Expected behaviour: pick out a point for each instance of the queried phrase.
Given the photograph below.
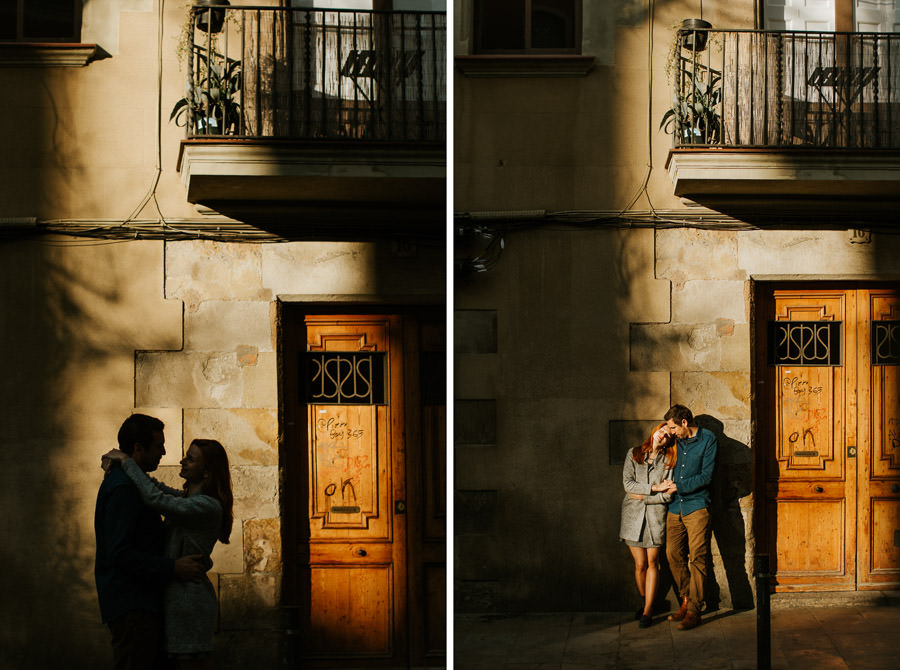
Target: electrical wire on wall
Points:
(91, 232)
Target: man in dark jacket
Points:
(688, 521)
(130, 569)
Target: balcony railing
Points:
(786, 89)
(316, 74)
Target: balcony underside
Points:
(309, 185)
(843, 183)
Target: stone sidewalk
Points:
(819, 637)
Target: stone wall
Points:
(597, 334)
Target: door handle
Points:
(361, 552)
(819, 489)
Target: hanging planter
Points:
(698, 35)
(211, 20)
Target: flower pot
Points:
(211, 20)
(696, 39)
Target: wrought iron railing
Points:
(741, 88)
(316, 74)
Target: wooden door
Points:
(879, 458)
(829, 514)
(355, 463)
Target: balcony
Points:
(329, 115)
(796, 122)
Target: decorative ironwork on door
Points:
(345, 378)
(885, 342)
(804, 343)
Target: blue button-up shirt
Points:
(693, 472)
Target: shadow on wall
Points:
(732, 481)
(48, 468)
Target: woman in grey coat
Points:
(647, 476)
(195, 519)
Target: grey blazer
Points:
(652, 509)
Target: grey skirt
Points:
(645, 542)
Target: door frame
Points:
(295, 588)
(760, 287)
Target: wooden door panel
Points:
(879, 480)
(811, 539)
(345, 465)
(885, 564)
(356, 544)
(808, 493)
(353, 607)
(364, 418)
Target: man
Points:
(688, 521)
(130, 569)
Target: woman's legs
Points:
(639, 554)
(652, 579)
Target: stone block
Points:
(249, 602)
(229, 558)
(259, 386)
(250, 436)
(475, 331)
(262, 545)
(225, 325)
(788, 253)
(476, 511)
(319, 267)
(684, 254)
(476, 466)
(477, 375)
(200, 270)
(682, 347)
(707, 300)
(720, 394)
(175, 379)
(255, 492)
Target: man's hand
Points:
(190, 568)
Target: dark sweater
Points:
(130, 569)
(693, 472)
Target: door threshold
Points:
(785, 600)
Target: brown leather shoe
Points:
(679, 615)
(691, 620)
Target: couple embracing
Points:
(667, 500)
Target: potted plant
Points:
(212, 105)
(211, 20)
(695, 34)
(694, 115)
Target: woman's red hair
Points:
(218, 486)
(670, 453)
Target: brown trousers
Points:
(685, 535)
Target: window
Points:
(40, 20)
(528, 26)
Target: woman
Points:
(647, 477)
(195, 518)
